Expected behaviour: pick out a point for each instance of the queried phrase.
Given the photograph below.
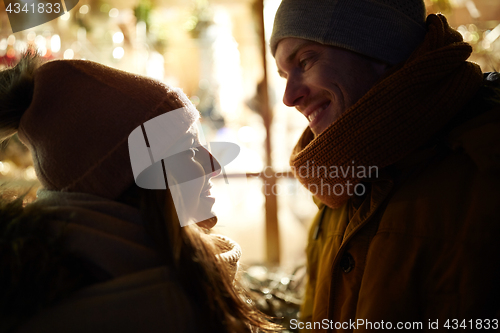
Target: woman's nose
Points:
(210, 164)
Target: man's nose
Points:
(295, 92)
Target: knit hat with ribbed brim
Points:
(79, 120)
(387, 30)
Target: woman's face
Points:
(188, 173)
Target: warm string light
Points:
(84, 9)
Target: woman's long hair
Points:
(221, 304)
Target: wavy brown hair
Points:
(222, 303)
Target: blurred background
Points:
(216, 51)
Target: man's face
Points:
(323, 81)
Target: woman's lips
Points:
(206, 191)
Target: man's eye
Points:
(303, 63)
(307, 59)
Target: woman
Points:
(96, 252)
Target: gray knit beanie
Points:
(387, 30)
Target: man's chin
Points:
(318, 130)
(324, 125)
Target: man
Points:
(402, 155)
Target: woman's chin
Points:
(208, 223)
(205, 217)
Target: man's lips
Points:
(313, 111)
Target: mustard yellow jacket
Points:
(421, 249)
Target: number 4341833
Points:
(471, 324)
(41, 8)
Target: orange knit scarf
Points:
(395, 117)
